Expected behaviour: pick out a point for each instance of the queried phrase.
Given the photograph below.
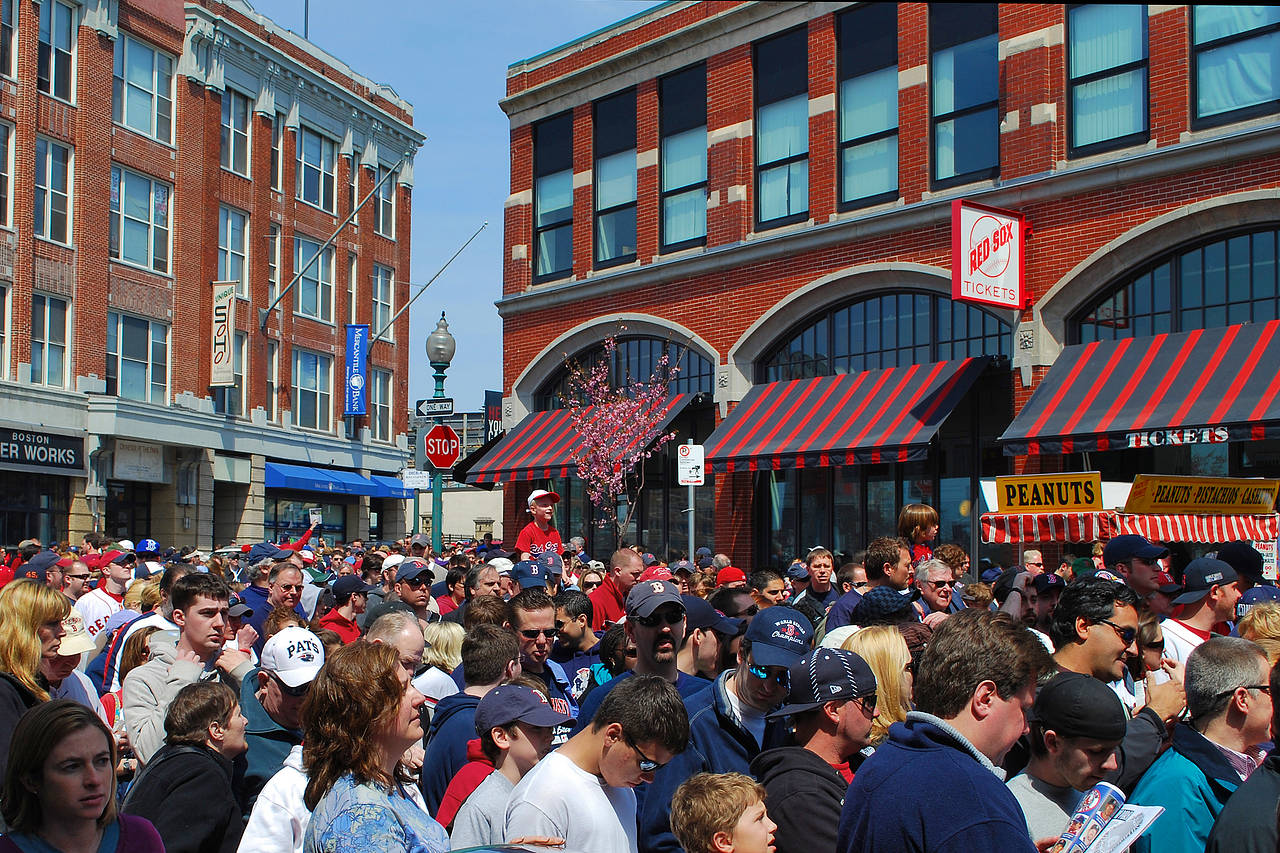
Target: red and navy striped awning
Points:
(1201, 387)
(887, 415)
(541, 446)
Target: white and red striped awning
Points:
(1000, 529)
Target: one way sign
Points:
(436, 407)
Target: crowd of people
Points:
(300, 698)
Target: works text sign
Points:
(988, 254)
(42, 452)
(1050, 492)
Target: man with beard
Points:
(656, 624)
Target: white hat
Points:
(543, 493)
(124, 544)
(502, 564)
(77, 640)
(294, 655)
(392, 561)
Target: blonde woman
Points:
(442, 656)
(1262, 625)
(886, 652)
(31, 630)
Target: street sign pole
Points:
(692, 511)
(437, 482)
(418, 462)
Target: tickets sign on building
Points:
(1154, 493)
(988, 255)
(1050, 492)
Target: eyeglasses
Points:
(296, 692)
(1265, 688)
(941, 584)
(861, 584)
(78, 577)
(647, 764)
(782, 678)
(534, 633)
(1126, 634)
(868, 703)
(297, 587)
(587, 586)
(653, 620)
(1035, 564)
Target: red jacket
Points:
(463, 783)
(345, 628)
(607, 605)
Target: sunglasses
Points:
(750, 611)
(653, 620)
(1265, 688)
(1127, 635)
(782, 678)
(941, 584)
(590, 585)
(868, 703)
(296, 692)
(297, 587)
(647, 764)
(534, 633)
(78, 577)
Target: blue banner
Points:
(356, 394)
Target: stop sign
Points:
(442, 447)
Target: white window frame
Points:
(160, 211)
(383, 300)
(115, 326)
(325, 170)
(384, 205)
(6, 175)
(380, 404)
(235, 139)
(234, 394)
(160, 92)
(318, 279)
(46, 44)
(228, 253)
(353, 280)
(277, 151)
(273, 262)
(45, 191)
(42, 339)
(273, 381)
(4, 331)
(322, 388)
(9, 37)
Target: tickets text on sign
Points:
(1050, 493)
(1214, 495)
(987, 255)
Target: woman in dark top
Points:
(31, 615)
(59, 787)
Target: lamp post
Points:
(440, 349)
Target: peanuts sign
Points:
(988, 255)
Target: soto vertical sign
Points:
(222, 365)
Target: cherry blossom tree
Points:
(618, 428)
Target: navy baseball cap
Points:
(529, 574)
(551, 563)
(826, 675)
(515, 703)
(1245, 559)
(38, 566)
(798, 572)
(1201, 575)
(647, 596)
(1256, 595)
(779, 636)
(412, 569)
(700, 614)
(1130, 545)
(684, 566)
(702, 551)
(1076, 705)
(349, 584)
(237, 607)
(1047, 581)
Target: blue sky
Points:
(449, 59)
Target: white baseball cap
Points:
(543, 493)
(392, 561)
(294, 655)
(76, 640)
(502, 564)
(125, 544)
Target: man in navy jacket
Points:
(975, 683)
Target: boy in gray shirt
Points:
(1076, 724)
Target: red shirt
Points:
(345, 628)
(446, 604)
(534, 540)
(607, 605)
(464, 783)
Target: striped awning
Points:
(887, 415)
(1000, 528)
(1198, 387)
(542, 445)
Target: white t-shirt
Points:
(558, 798)
(435, 684)
(1179, 640)
(752, 720)
(95, 608)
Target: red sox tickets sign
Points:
(988, 251)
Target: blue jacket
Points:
(841, 612)
(973, 811)
(269, 742)
(686, 686)
(717, 744)
(1192, 780)
(452, 726)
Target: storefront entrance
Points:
(33, 506)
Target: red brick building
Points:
(769, 185)
(171, 147)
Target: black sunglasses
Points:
(1126, 634)
(296, 692)
(1265, 688)
(533, 633)
(653, 620)
(647, 764)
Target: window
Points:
(782, 128)
(384, 205)
(6, 169)
(48, 340)
(965, 92)
(553, 197)
(615, 179)
(635, 358)
(317, 169)
(273, 262)
(1107, 70)
(273, 381)
(230, 399)
(139, 220)
(142, 89)
(352, 286)
(383, 282)
(137, 358)
(4, 332)
(1235, 51)
(235, 132)
(277, 152)
(1222, 281)
(868, 56)
(682, 121)
(233, 259)
(311, 390)
(313, 294)
(8, 29)
(53, 191)
(54, 54)
(380, 399)
(886, 330)
(353, 173)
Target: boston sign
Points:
(988, 255)
(41, 452)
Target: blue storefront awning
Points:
(391, 487)
(325, 480)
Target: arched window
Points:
(885, 330)
(636, 358)
(1222, 281)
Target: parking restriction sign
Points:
(689, 465)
